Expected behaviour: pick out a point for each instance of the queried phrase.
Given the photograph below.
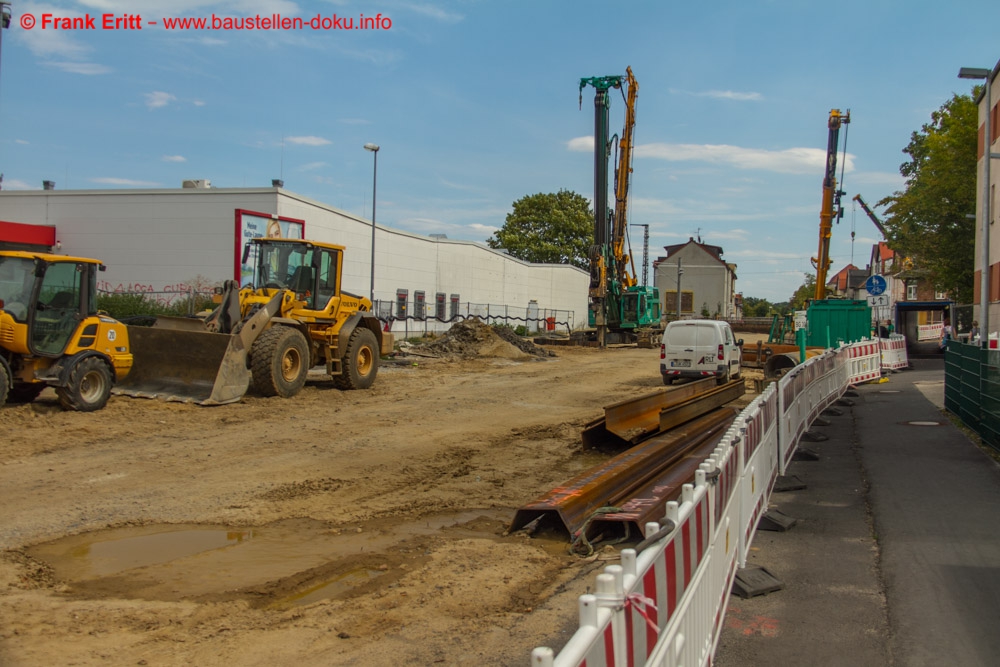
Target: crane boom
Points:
(831, 200)
(871, 215)
(623, 261)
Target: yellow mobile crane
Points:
(831, 201)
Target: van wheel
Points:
(89, 386)
(724, 378)
(668, 380)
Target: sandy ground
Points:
(334, 528)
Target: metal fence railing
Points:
(972, 389)
(413, 317)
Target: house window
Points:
(911, 292)
(940, 296)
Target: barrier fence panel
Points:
(665, 606)
(894, 352)
(759, 457)
(866, 361)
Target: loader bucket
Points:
(192, 365)
(189, 366)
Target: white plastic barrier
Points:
(665, 606)
(865, 359)
(759, 462)
(894, 352)
(804, 393)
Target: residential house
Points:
(707, 281)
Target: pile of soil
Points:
(473, 338)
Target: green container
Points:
(835, 321)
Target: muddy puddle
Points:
(282, 564)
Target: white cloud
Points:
(198, 103)
(432, 11)
(787, 161)
(88, 69)
(722, 95)
(111, 180)
(21, 141)
(158, 98)
(880, 178)
(174, 158)
(581, 145)
(310, 166)
(355, 121)
(18, 184)
(308, 140)
(483, 229)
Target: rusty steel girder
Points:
(638, 473)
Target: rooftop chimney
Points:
(48, 185)
(277, 183)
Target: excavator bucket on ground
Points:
(173, 362)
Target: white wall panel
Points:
(160, 239)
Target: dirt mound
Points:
(473, 338)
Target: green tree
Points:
(548, 228)
(806, 291)
(927, 221)
(756, 307)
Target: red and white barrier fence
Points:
(894, 352)
(665, 605)
(864, 361)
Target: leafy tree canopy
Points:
(553, 228)
(927, 221)
(756, 307)
(806, 291)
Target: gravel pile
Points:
(473, 338)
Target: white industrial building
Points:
(166, 241)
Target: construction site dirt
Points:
(334, 528)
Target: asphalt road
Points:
(895, 559)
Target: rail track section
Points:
(664, 604)
(675, 430)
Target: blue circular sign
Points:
(875, 285)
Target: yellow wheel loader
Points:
(293, 316)
(52, 335)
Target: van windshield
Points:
(691, 335)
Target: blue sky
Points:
(475, 104)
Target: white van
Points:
(699, 349)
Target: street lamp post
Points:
(984, 239)
(374, 149)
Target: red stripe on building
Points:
(19, 232)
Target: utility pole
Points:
(645, 253)
(680, 272)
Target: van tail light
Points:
(663, 351)
(721, 355)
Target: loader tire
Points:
(88, 387)
(360, 361)
(279, 362)
(25, 393)
(4, 384)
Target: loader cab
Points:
(311, 271)
(48, 296)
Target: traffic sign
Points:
(878, 300)
(875, 285)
